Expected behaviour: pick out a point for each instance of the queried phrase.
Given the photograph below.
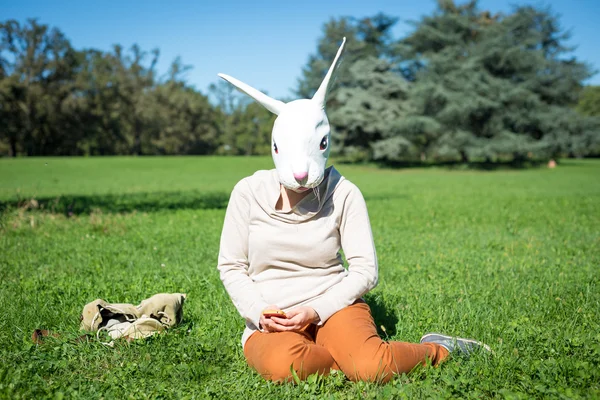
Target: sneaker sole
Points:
(483, 345)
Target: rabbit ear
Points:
(321, 95)
(275, 106)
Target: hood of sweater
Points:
(265, 188)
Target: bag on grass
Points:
(153, 315)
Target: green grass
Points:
(508, 257)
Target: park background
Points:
(448, 82)
(447, 125)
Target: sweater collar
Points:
(310, 205)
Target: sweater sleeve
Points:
(359, 249)
(233, 257)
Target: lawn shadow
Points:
(458, 165)
(382, 316)
(122, 203)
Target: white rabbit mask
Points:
(300, 139)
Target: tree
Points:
(494, 84)
(184, 121)
(134, 80)
(252, 127)
(38, 68)
(11, 129)
(55, 100)
(589, 101)
(371, 112)
(244, 126)
(366, 98)
(366, 37)
(464, 85)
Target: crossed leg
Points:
(347, 341)
(273, 354)
(351, 338)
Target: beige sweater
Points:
(293, 258)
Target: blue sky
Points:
(264, 43)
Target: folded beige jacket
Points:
(155, 314)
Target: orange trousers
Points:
(348, 341)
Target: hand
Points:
(267, 324)
(297, 318)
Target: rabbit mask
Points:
(301, 133)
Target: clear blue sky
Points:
(264, 43)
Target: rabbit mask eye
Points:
(275, 148)
(324, 143)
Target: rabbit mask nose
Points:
(300, 176)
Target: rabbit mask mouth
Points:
(300, 140)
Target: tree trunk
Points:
(137, 138)
(13, 146)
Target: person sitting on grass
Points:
(280, 260)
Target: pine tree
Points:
(369, 121)
(465, 85)
(363, 103)
(366, 37)
(499, 86)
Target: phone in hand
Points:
(274, 313)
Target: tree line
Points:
(464, 85)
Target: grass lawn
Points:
(509, 257)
